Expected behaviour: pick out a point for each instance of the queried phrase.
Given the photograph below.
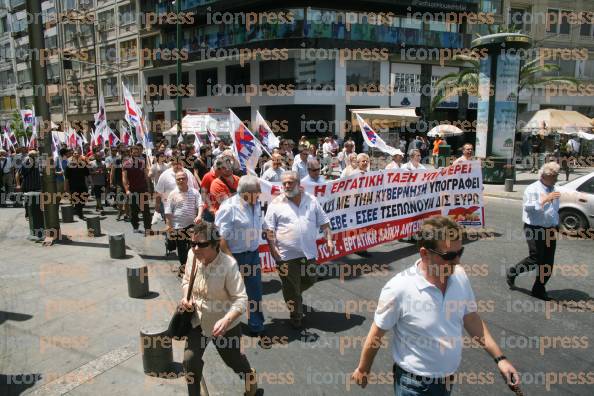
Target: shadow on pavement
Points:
(563, 296)
(157, 257)
(16, 384)
(271, 287)
(150, 296)
(281, 332)
(14, 316)
(90, 244)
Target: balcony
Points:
(17, 4)
(314, 35)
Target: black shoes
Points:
(296, 323)
(540, 293)
(510, 281)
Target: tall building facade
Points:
(307, 65)
(563, 34)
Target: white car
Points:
(576, 210)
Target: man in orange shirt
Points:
(436, 143)
(223, 186)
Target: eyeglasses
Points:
(448, 256)
(184, 179)
(314, 169)
(200, 245)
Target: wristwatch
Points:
(499, 358)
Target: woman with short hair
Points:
(218, 299)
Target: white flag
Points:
(372, 138)
(268, 139)
(246, 147)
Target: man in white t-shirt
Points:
(291, 223)
(167, 183)
(183, 209)
(427, 306)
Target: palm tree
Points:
(466, 80)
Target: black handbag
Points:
(181, 322)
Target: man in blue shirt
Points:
(540, 214)
(239, 220)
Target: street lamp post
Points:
(37, 45)
(178, 64)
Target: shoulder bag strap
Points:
(231, 189)
(192, 278)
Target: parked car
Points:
(576, 210)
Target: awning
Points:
(548, 121)
(445, 130)
(392, 116)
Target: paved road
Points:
(537, 337)
(548, 347)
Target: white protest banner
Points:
(379, 207)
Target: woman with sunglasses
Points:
(218, 299)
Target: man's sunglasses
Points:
(201, 245)
(314, 169)
(448, 256)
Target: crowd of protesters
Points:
(214, 220)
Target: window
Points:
(567, 68)
(4, 24)
(314, 75)
(585, 29)
(587, 187)
(5, 52)
(24, 76)
(26, 102)
(86, 4)
(128, 50)
(552, 20)
(407, 82)
(53, 71)
(106, 20)
(411, 23)
(48, 15)
(185, 81)
(565, 27)
(237, 78)
(86, 31)
(127, 14)
(68, 5)
(89, 66)
(206, 80)
(131, 82)
(519, 19)
(363, 73)
(185, 78)
(7, 103)
(108, 54)
(69, 31)
(156, 82)
(109, 86)
(278, 72)
(6, 78)
(51, 42)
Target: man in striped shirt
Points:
(183, 209)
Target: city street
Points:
(547, 343)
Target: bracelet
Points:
(499, 358)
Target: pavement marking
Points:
(87, 372)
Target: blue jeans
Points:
(406, 385)
(249, 266)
